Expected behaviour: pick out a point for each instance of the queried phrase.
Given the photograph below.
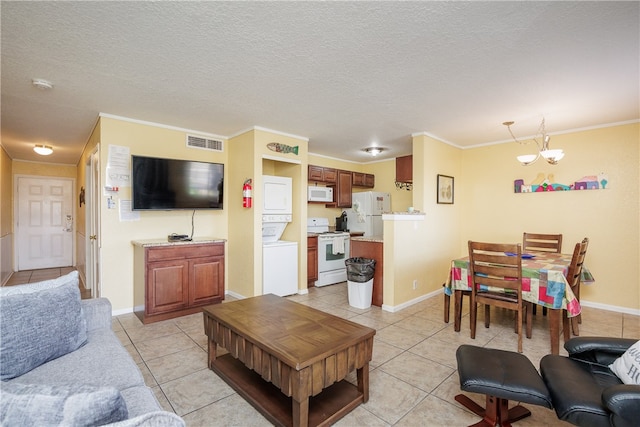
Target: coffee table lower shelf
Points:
(325, 409)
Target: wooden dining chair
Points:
(538, 242)
(573, 278)
(497, 281)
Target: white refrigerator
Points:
(366, 212)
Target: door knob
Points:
(93, 237)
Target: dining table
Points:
(544, 283)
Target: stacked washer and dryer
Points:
(279, 257)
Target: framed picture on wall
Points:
(445, 189)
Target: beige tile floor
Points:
(413, 377)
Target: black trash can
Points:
(360, 273)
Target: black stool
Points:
(501, 376)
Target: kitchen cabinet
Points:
(312, 260)
(404, 169)
(322, 174)
(361, 179)
(342, 193)
(369, 180)
(367, 248)
(177, 279)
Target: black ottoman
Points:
(501, 376)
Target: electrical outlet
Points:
(415, 284)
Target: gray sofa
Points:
(96, 383)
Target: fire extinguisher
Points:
(246, 194)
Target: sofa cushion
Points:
(627, 366)
(29, 288)
(39, 323)
(102, 361)
(77, 405)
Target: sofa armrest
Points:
(600, 350)
(624, 402)
(97, 312)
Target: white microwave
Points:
(320, 194)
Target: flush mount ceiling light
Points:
(374, 151)
(551, 156)
(42, 84)
(43, 150)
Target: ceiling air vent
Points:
(204, 143)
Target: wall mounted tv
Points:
(166, 184)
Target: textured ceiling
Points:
(346, 75)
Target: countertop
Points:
(372, 239)
(404, 216)
(166, 242)
(352, 234)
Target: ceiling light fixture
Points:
(551, 156)
(43, 150)
(374, 151)
(42, 84)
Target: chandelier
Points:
(551, 156)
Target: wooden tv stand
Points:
(173, 279)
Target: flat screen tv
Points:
(166, 184)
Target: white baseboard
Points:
(608, 307)
(396, 308)
(235, 295)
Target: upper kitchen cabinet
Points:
(342, 193)
(404, 169)
(365, 180)
(322, 174)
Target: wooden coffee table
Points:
(289, 360)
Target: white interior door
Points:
(44, 222)
(93, 224)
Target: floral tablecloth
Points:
(543, 280)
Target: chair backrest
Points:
(542, 242)
(497, 265)
(575, 268)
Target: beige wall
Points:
(116, 235)
(609, 218)
(250, 153)
(44, 169)
(6, 217)
(486, 208)
(244, 255)
(6, 192)
(421, 250)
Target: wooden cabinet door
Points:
(330, 175)
(207, 276)
(321, 174)
(312, 260)
(369, 180)
(344, 188)
(358, 179)
(404, 169)
(167, 286)
(315, 173)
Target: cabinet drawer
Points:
(184, 251)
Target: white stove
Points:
(333, 251)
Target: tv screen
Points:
(164, 184)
